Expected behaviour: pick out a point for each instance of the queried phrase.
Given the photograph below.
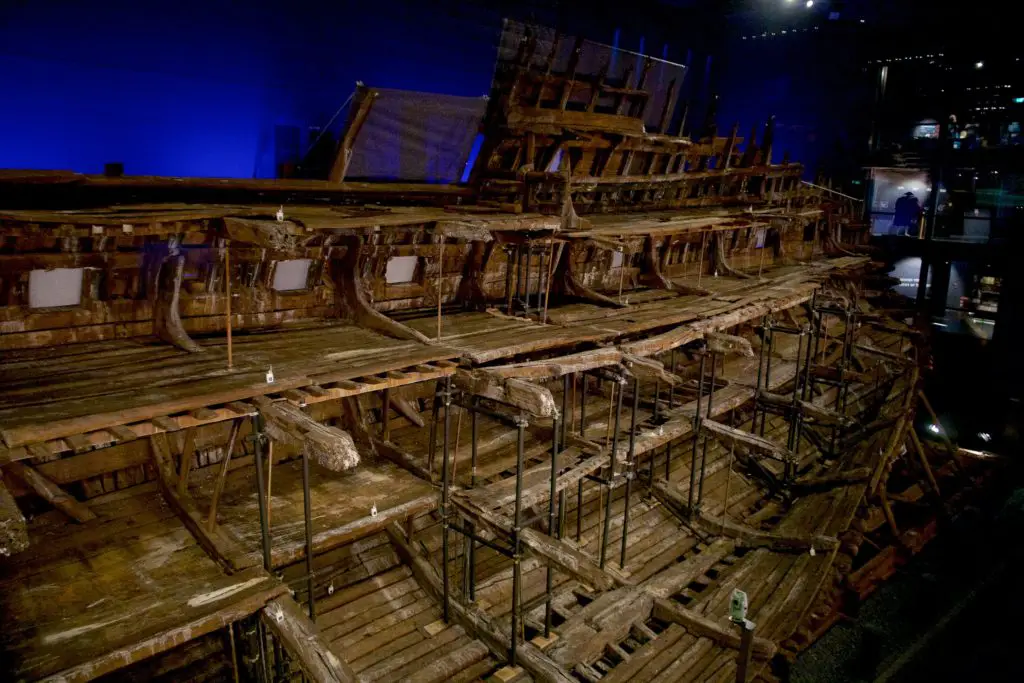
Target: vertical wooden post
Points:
(227, 293)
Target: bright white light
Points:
(979, 65)
(810, 3)
(933, 428)
(985, 436)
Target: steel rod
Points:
(257, 448)
(308, 515)
(704, 450)
(551, 522)
(516, 563)
(611, 475)
(696, 435)
(447, 400)
(630, 468)
(474, 435)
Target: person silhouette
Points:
(907, 211)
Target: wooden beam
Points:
(54, 494)
(405, 408)
(753, 442)
(331, 447)
(833, 479)
(819, 414)
(222, 476)
(719, 342)
(648, 368)
(550, 368)
(187, 453)
(13, 531)
(304, 642)
(724, 634)
(218, 545)
(755, 538)
(667, 583)
(560, 552)
(474, 619)
(923, 458)
(518, 393)
(362, 102)
(691, 332)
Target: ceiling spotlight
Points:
(985, 436)
(979, 65)
(933, 428)
(810, 3)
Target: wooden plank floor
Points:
(86, 599)
(342, 505)
(106, 378)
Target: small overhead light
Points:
(862, 21)
(979, 65)
(985, 436)
(810, 3)
(934, 428)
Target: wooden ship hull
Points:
(536, 427)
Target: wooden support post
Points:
(222, 477)
(217, 544)
(185, 465)
(942, 431)
(54, 494)
(915, 442)
(705, 627)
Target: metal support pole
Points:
(567, 381)
(447, 400)
(261, 490)
(508, 281)
(385, 422)
(516, 560)
(704, 450)
(432, 447)
(309, 534)
(551, 522)
(630, 469)
(760, 370)
(696, 435)
(611, 475)
(579, 510)
(474, 434)
(672, 388)
(529, 262)
(583, 405)
(768, 370)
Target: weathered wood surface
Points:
(304, 644)
(331, 447)
(724, 633)
(518, 393)
(52, 493)
(224, 549)
(744, 439)
(13, 532)
(475, 620)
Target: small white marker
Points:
(373, 510)
(127, 229)
(270, 375)
(280, 214)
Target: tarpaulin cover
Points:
(416, 136)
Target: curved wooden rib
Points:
(571, 286)
(721, 264)
(346, 273)
(651, 275)
(471, 287)
(167, 319)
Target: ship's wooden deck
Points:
(67, 390)
(87, 599)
